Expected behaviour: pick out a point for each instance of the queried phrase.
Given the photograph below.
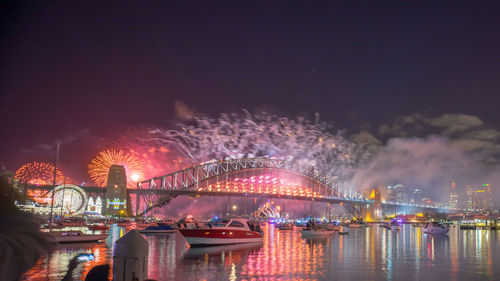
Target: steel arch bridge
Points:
(253, 177)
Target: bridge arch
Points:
(220, 177)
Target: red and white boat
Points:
(232, 231)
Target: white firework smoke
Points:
(264, 135)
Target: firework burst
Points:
(39, 173)
(99, 167)
(263, 135)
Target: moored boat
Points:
(144, 224)
(285, 226)
(72, 222)
(231, 231)
(124, 223)
(160, 228)
(95, 227)
(319, 232)
(76, 236)
(395, 227)
(385, 225)
(435, 228)
(354, 225)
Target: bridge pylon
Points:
(116, 201)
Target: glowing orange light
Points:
(99, 167)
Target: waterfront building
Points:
(479, 197)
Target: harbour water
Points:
(371, 253)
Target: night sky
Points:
(69, 66)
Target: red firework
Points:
(39, 173)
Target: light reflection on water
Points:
(371, 253)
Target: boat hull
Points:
(204, 237)
(80, 239)
(157, 231)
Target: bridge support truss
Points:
(216, 176)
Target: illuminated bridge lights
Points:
(262, 184)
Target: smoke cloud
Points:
(428, 153)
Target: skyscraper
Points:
(453, 204)
(400, 193)
(416, 196)
(397, 194)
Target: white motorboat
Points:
(76, 236)
(231, 231)
(435, 228)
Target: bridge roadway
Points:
(192, 193)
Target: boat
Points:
(229, 231)
(72, 222)
(354, 225)
(343, 230)
(316, 231)
(285, 226)
(160, 228)
(144, 224)
(385, 225)
(435, 228)
(76, 236)
(299, 226)
(395, 227)
(124, 223)
(95, 227)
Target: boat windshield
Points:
(236, 224)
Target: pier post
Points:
(130, 257)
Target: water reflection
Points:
(371, 253)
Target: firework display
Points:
(263, 135)
(39, 173)
(99, 167)
(156, 159)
